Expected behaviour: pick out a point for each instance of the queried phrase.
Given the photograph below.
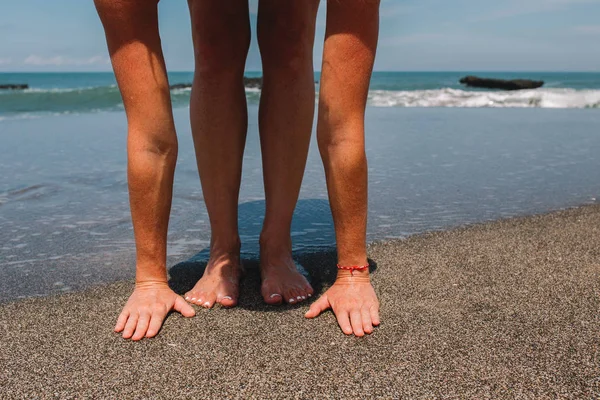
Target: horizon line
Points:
(375, 71)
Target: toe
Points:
(193, 297)
(291, 296)
(271, 294)
(207, 300)
(309, 291)
(273, 298)
(228, 297)
(228, 301)
(301, 294)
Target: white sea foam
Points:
(538, 98)
(66, 90)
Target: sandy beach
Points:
(506, 309)
(482, 206)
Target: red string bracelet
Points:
(353, 268)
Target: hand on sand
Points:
(147, 308)
(353, 302)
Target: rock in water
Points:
(180, 86)
(248, 82)
(15, 86)
(255, 83)
(515, 84)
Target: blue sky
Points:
(432, 35)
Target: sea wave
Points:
(57, 101)
(31, 102)
(536, 98)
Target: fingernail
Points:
(227, 297)
(275, 295)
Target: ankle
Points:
(275, 243)
(220, 247)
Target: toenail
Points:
(275, 295)
(227, 297)
(193, 299)
(207, 304)
(303, 297)
(292, 300)
(309, 295)
(299, 297)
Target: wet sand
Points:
(506, 309)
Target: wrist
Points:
(353, 275)
(150, 284)
(153, 278)
(148, 271)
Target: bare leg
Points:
(285, 35)
(134, 44)
(348, 55)
(221, 33)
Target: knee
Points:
(158, 139)
(286, 45)
(347, 154)
(341, 135)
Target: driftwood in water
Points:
(514, 84)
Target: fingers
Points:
(130, 325)
(142, 325)
(121, 321)
(183, 307)
(343, 319)
(374, 310)
(156, 322)
(357, 324)
(318, 307)
(366, 320)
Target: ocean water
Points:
(72, 93)
(440, 155)
(64, 212)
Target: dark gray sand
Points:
(502, 310)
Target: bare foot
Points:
(219, 284)
(281, 280)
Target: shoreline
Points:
(190, 270)
(499, 309)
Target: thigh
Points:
(286, 27)
(220, 29)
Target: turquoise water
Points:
(65, 93)
(64, 209)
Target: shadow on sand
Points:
(313, 238)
